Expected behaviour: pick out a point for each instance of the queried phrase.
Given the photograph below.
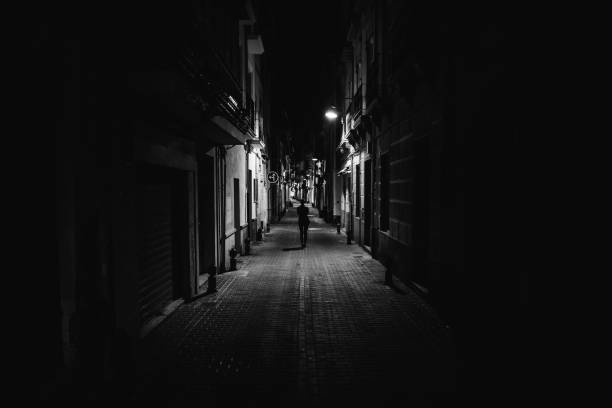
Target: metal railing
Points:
(216, 89)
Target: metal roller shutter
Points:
(155, 283)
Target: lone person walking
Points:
(303, 222)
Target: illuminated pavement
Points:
(300, 327)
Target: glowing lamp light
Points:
(331, 114)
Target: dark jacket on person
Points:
(303, 215)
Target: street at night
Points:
(300, 327)
(271, 204)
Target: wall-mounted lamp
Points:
(331, 113)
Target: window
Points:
(370, 51)
(249, 85)
(357, 65)
(236, 203)
(370, 35)
(349, 83)
(384, 192)
(344, 189)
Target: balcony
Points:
(216, 90)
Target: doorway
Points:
(237, 214)
(249, 204)
(163, 228)
(206, 213)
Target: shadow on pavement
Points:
(292, 249)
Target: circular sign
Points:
(273, 177)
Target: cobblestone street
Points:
(299, 327)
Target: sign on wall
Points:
(273, 177)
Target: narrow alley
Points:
(314, 325)
(165, 151)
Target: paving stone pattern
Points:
(300, 327)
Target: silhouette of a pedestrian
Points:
(303, 222)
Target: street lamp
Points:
(331, 113)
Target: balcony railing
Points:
(215, 86)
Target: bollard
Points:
(247, 246)
(260, 232)
(388, 276)
(232, 254)
(212, 280)
(348, 237)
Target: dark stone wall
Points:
(450, 78)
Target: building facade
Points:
(395, 168)
(160, 161)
